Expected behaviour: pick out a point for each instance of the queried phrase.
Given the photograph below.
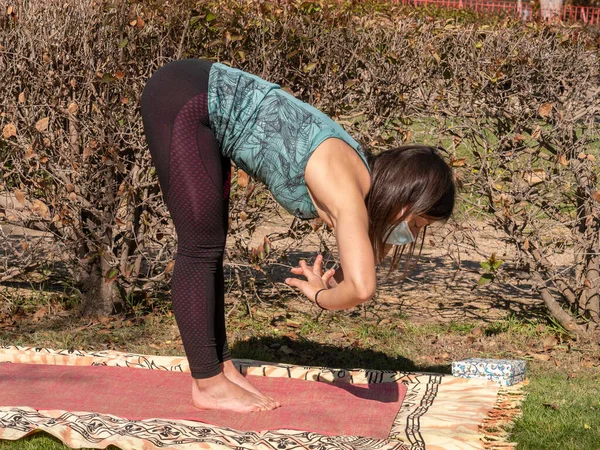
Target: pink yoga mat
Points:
(330, 409)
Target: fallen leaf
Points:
(541, 357)
(29, 152)
(535, 176)
(550, 342)
(72, 108)
(554, 406)
(562, 160)
(458, 162)
(42, 124)
(596, 195)
(292, 323)
(9, 131)
(40, 208)
(20, 196)
(22, 97)
(545, 110)
(39, 314)
(242, 178)
(170, 266)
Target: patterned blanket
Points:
(438, 411)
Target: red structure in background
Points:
(586, 14)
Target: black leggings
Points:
(194, 177)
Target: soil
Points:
(443, 286)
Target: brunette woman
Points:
(199, 116)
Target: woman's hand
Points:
(315, 278)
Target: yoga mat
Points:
(331, 409)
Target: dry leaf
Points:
(563, 161)
(242, 178)
(119, 75)
(458, 162)
(72, 196)
(545, 110)
(170, 266)
(550, 342)
(541, 357)
(582, 155)
(22, 97)
(317, 223)
(243, 216)
(29, 152)
(591, 157)
(537, 132)
(39, 314)
(596, 195)
(42, 124)
(72, 108)
(292, 323)
(40, 208)
(9, 131)
(20, 196)
(535, 176)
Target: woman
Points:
(199, 115)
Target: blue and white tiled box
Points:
(503, 371)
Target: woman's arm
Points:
(336, 189)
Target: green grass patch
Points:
(560, 412)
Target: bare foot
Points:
(219, 393)
(236, 377)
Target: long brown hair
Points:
(414, 178)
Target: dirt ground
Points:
(443, 286)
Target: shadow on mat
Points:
(312, 353)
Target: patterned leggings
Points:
(194, 177)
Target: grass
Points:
(560, 411)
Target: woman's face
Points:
(416, 223)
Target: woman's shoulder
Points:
(336, 176)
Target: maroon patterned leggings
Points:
(194, 177)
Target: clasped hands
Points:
(315, 278)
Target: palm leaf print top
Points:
(269, 133)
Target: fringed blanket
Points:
(335, 408)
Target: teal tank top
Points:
(269, 133)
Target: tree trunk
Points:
(554, 307)
(99, 297)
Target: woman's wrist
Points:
(317, 298)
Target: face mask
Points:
(401, 235)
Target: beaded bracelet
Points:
(316, 301)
